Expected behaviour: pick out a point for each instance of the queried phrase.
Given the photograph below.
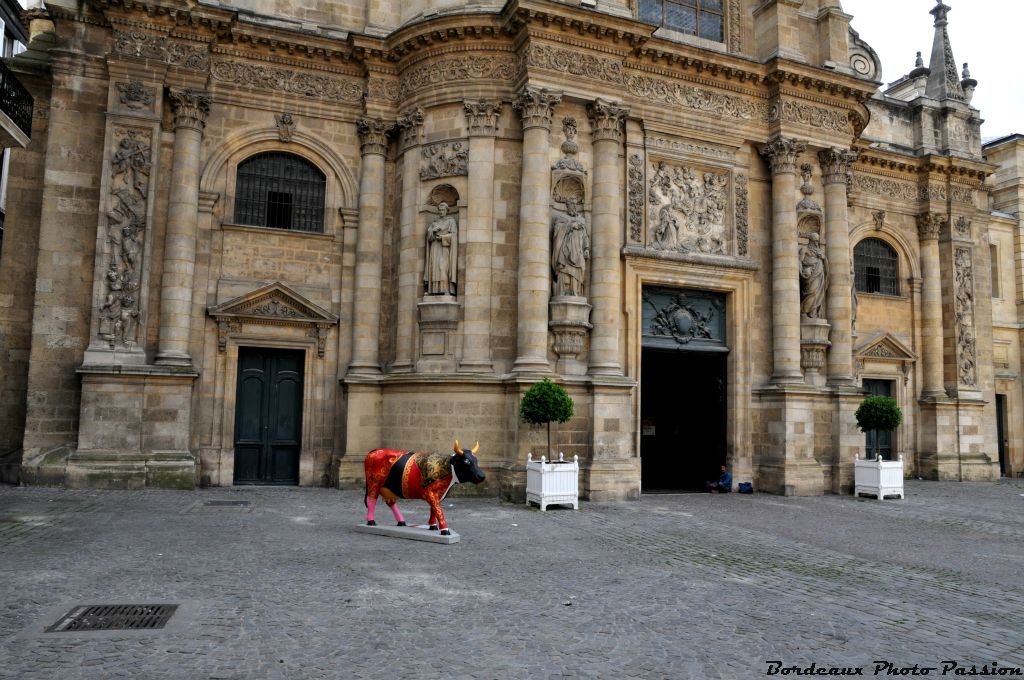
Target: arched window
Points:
(876, 267)
(704, 18)
(280, 190)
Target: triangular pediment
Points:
(275, 302)
(886, 347)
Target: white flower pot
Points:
(554, 483)
(879, 478)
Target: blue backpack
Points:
(746, 487)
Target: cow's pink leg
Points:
(371, 506)
(397, 513)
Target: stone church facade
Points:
(251, 241)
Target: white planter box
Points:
(879, 478)
(555, 483)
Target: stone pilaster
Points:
(369, 243)
(536, 106)
(782, 155)
(928, 228)
(606, 119)
(835, 167)
(410, 125)
(482, 125)
(190, 109)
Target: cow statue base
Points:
(397, 474)
(419, 532)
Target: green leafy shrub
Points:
(880, 414)
(546, 402)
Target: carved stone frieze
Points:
(606, 120)
(387, 89)
(963, 315)
(126, 233)
(636, 197)
(930, 225)
(373, 135)
(961, 194)
(686, 209)
(135, 95)
(890, 188)
(190, 107)
(782, 154)
(278, 79)
(536, 105)
(482, 117)
(285, 126)
(836, 164)
(657, 89)
(410, 126)
(500, 67)
(445, 159)
(742, 215)
(810, 115)
(161, 48)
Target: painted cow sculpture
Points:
(408, 474)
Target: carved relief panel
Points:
(687, 208)
(675, 319)
(126, 235)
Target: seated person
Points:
(723, 484)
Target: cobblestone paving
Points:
(687, 586)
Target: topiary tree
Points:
(880, 414)
(546, 402)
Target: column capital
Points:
(782, 154)
(929, 225)
(373, 136)
(835, 164)
(482, 117)
(410, 126)
(536, 105)
(606, 119)
(190, 107)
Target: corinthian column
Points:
(928, 228)
(606, 119)
(835, 165)
(369, 243)
(536, 106)
(190, 110)
(410, 278)
(482, 125)
(782, 154)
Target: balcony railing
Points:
(15, 101)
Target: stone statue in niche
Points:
(441, 270)
(570, 250)
(813, 278)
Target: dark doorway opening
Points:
(1001, 433)
(878, 388)
(683, 419)
(268, 416)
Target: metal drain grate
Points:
(115, 617)
(232, 504)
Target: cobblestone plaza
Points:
(672, 586)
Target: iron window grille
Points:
(703, 18)
(281, 191)
(876, 267)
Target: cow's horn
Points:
(457, 449)
(475, 448)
